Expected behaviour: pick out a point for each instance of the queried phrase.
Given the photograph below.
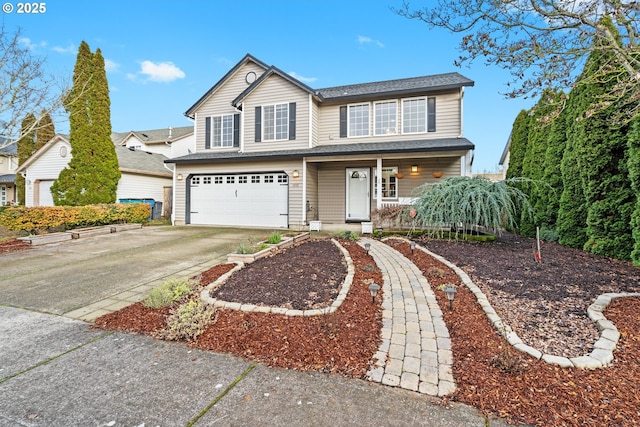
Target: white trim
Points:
(378, 181)
(241, 147)
(462, 112)
(304, 190)
(275, 119)
(310, 122)
(426, 114)
(348, 173)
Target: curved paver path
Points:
(415, 353)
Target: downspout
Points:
(241, 112)
(378, 183)
(304, 190)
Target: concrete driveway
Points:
(62, 277)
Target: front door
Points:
(358, 203)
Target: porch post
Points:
(378, 183)
(304, 190)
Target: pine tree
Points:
(25, 147)
(92, 174)
(633, 166)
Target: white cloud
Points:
(65, 50)
(110, 65)
(302, 78)
(366, 40)
(28, 44)
(161, 72)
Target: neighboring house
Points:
(144, 174)
(8, 166)
(273, 152)
(506, 156)
(170, 142)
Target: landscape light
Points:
(450, 292)
(413, 247)
(373, 290)
(367, 247)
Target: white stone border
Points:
(344, 290)
(600, 357)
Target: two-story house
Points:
(274, 152)
(8, 166)
(170, 142)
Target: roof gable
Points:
(267, 74)
(247, 58)
(46, 147)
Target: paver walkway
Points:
(415, 353)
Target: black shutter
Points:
(207, 132)
(292, 120)
(258, 124)
(343, 122)
(431, 114)
(236, 130)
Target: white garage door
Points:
(44, 193)
(252, 199)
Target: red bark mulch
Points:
(13, 245)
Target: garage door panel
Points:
(240, 200)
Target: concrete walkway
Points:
(415, 353)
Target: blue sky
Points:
(163, 55)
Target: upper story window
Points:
(385, 118)
(358, 120)
(419, 115)
(275, 122)
(222, 131)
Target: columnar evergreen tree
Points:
(633, 166)
(518, 144)
(544, 113)
(601, 147)
(45, 131)
(25, 147)
(92, 174)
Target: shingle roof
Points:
(153, 135)
(141, 162)
(425, 145)
(9, 178)
(9, 149)
(398, 86)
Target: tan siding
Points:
(447, 123)
(276, 90)
(295, 186)
(220, 102)
(312, 190)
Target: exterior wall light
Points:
(414, 169)
(295, 173)
(179, 177)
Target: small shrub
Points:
(248, 248)
(549, 234)
(170, 291)
(347, 235)
(274, 238)
(187, 321)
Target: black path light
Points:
(450, 291)
(373, 290)
(367, 247)
(413, 246)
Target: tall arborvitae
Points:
(46, 130)
(549, 203)
(633, 166)
(518, 144)
(25, 147)
(572, 209)
(544, 113)
(602, 159)
(92, 174)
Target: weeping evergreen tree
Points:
(633, 166)
(544, 114)
(92, 174)
(25, 148)
(463, 204)
(601, 147)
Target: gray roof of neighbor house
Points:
(425, 145)
(9, 178)
(143, 162)
(153, 135)
(7, 147)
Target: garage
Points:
(43, 195)
(247, 199)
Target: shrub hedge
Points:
(37, 220)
